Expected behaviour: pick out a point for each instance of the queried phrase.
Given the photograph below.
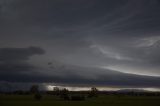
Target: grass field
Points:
(103, 100)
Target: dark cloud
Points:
(14, 60)
(99, 77)
(10, 86)
(19, 54)
(121, 35)
(14, 67)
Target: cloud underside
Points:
(80, 42)
(117, 79)
(14, 67)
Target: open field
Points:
(102, 100)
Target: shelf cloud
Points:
(86, 42)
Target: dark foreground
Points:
(102, 100)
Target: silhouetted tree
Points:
(64, 93)
(56, 90)
(34, 89)
(93, 92)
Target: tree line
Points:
(65, 94)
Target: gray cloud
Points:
(18, 54)
(16, 59)
(93, 76)
(121, 35)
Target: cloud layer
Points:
(14, 60)
(97, 42)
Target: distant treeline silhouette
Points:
(65, 94)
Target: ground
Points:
(102, 100)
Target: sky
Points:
(113, 43)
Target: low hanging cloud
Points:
(14, 67)
(15, 59)
(80, 76)
(19, 54)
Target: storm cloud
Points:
(15, 59)
(80, 42)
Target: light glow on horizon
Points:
(50, 88)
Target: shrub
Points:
(38, 96)
(34, 89)
(64, 93)
(93, 92)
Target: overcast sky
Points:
(80, 42)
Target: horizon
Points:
(12, 87)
